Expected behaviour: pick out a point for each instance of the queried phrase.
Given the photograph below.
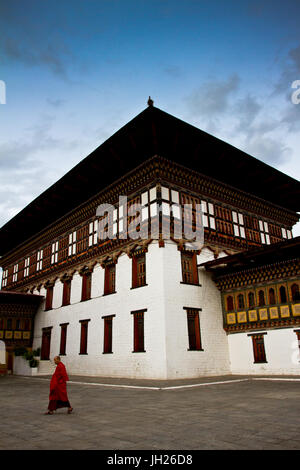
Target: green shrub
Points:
(20, 351)
(33, 362)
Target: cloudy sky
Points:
(75, 71)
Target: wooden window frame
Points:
(259, 350)
(39, 260)
(63, 339)
(138, 331)
(46, 346)
(66, 297)
(193, 328)
(189, 276)
(86, 287)
(108, 334)
(83, 337)
(139, 275)
(49, 297)
(54, 252)
(110, 279)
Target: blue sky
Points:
(77, 70)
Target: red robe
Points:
(58, 388)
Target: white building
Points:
(140, 303)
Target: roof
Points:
(265, 255)
(152, 132)
(9, 297)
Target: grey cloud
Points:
(212, 98)
(38, 54)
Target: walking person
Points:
(58, 397)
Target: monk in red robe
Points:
(58, 397)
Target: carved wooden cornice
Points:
(261, 274)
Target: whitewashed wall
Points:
(122, 362)
(165, 326)
(282, 353)
(182, 363)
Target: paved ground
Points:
(209, 413)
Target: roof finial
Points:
(150, 101)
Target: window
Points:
(261, 298)
(295, 292)
(66, 292)
(93, 233)
(63, 338)
(272, 298)
(83, 336)
(286, 233)
(39, 260)
(138, 331)
(251, 299)
(110, 279)
(229, 302)
(193, 329)
(264, 232)
(72, 244)
(282, 293)
(139, 270)
(54, 253)
(149, 204)
(258, 348)
(107, 342)
(86, 286)
(49, 298)
(15, 273)
(241, 303)
(46, 341)
(26, 267)
(189, 268)
(208, 213)
(4, 278)
(238, 224)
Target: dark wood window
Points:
(49, 298)
(283, 296)
(193, 329)
(110, 279)
(272, 298)
(189, 268)
(259, 348)
(63, 339)
(261, 298)
(251, 299)
(86, 286)
(229, 302)
(108, 326)
(138, 331)
(66, 292)
(46, 341)
(83, 336)
(139, 271)
(295, 292)
(241, 303)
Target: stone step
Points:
(45, 367)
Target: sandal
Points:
(49, 413)
(70, 410)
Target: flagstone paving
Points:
(203, 414)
